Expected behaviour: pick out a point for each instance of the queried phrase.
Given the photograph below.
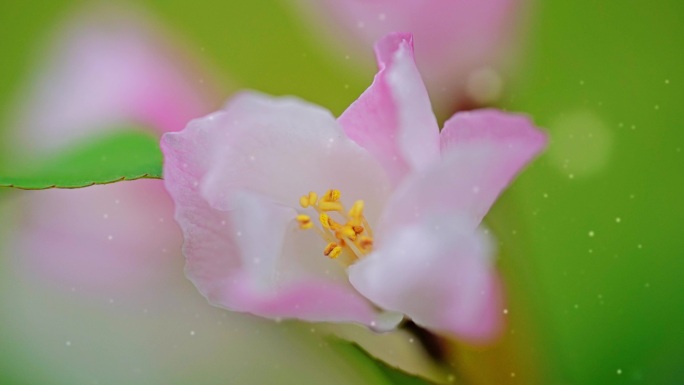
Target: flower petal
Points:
(439, 273)
(481, 153)
(107, 68)
(282, 148)
(235, 177)
(454, 38)
(393, 119)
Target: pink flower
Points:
(287, 212)
(461, 45)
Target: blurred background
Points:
(590, 245)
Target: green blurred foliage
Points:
(590, 244)
(124, 155)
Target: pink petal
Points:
(482, 151)
(454, 37)
(393, 119)
(105, 70)
(438, 272)
(117, 238)
(236, 177)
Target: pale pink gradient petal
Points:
(482, 151)
(109, 70)
(104, 239)
(236, 177)
(453, 37)
(438, 272)
(393, 118)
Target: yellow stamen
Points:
(352, 236)
(365, 243)
(330, 206)
(325, 220)
(346, 232)
(332, 195)
(332, 250)
(313, 197)
(304, 221)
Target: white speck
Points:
(105, 216)
(360, 24)
(223, 222)
(192, 332)
(618, 220)
(346, 57)
(411, 340)
(667, 81)
(68, 343)
(581, 82)
(476, 189)
(116, 201)
(546, 195)
(372, 324)
(619, 371)
(331, 140)
(505, 311)
(571, 176)
(252, 158)
(633, 127)
(257, 260)
(201, 81)
(591, 233)
(382, 17)
(591, 251)
(656, 107)
(639, 246)
(195, 184)
(239, 233)
(346, 86)
(631, 196)
(109, 237)
(512, 374)
(312, 330)
(576, 306)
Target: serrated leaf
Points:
(390, 374)
(118, 156)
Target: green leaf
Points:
(381, 370)
(114, 157)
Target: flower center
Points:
(347, 233)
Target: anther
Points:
(313, 197)
(304, 221)
(325, 220)
(329, 206)
(358, 229)
(366, 243)
(332, 195)
(332, 250)
(304, 201)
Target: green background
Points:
(590, 236)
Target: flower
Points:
(289, 213)
(91, 277)
(462, 46)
